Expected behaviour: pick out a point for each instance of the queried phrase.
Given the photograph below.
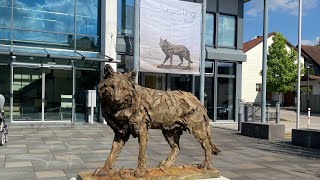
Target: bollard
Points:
(308, 123)
(241, 113)
(277, 112)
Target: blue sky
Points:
(283, 18)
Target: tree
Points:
(282, 69)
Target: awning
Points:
(53, 53)
(225, 54)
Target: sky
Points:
(283, 18)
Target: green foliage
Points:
(282, 70)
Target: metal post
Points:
(11, 91)
(299, 61)
(136, 45)
(253, 113)
(73, 114)
(43, 98)
(277, 112)
(241, 113)
(203, 51)
(308, 101)
(308, 123)
(267, 114)
(264, 62)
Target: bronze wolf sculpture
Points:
(171, 49)
(130, 109)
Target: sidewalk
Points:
(59, 152)
(288, 118)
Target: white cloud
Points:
(311, 42)
(287, 6)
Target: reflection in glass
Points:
(5, 9)
(5, 86)
(208, 94)
(209, 37)
(225, 98)
(154, 81)
(86, 43)
(125, 17)
(87, 15)
(181, 82)
(28, 37)
(27, 94)
(85, 80)
(58, 95)
(227, 31)
(209, 67)
(226, 68)
(54, 15)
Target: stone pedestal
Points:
(269, 131)
(189, 172)
(309, 138)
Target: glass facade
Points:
(55, 23)
(227, 31)
(210, 29)
(125, 17)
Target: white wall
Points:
(251, 72)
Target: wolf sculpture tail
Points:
(215, 150)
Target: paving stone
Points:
(50, 174)
(18, 164)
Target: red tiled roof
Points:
(312, 51)
(252, 43)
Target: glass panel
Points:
(4, 36)
(88, 54)
(53, 15)
(209, 67)
(181, 82)
(87, 15)
(86, 43)
(208, 94)
(50, 39)
(226, 68)
(226, 97)
(29, 50)
(85, 80)
(209, 37)
(227, 31)
(5, 9)
(63, 53)
(5, 88)
(154, 81)
(58, 93)
(27, 93)
(125, 17)
(4, 49)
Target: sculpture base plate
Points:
(174, 67)
(189, 172)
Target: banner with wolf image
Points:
(170, 36)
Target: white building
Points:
(251, 71)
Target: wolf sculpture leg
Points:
(172, 138)
(166, 59)
(142, 158)
(181, 59)
(116, 148)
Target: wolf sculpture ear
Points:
(132, 76)
(108, 70)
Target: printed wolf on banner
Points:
(170, 29)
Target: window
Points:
(226, 68)
(258, 87)
(51, 23)
(125, 17)
(209, 36)
(227, 31)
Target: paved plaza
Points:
(60, 151)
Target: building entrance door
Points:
(42, 93)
